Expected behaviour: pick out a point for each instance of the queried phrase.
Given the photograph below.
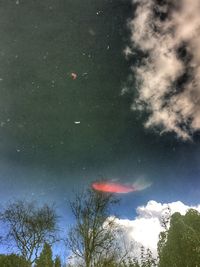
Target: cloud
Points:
(144, 229)
(168, 77)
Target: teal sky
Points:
(44, 154)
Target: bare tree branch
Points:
(29, 227)
(90, 238)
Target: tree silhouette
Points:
(45, 258)
(29, 227)
(57, 262)
(91, 238)
(13, 260)
(182, 248)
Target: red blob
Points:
(113, 187)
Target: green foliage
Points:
(13, 260)
(57, 262)
(182, 245)
(146, 258)
(45, 258)
(130, 262)
(149, 260)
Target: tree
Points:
(29, 227)
(57, 262)
(165, 221)
(91, 239)
(131, 262)
(45, 258)
(150, 261)
(146, 258)
(182, 248)
(13, 260)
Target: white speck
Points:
(98, 12)
(8, 120)
(84, 74)
(18, 150)
(17, 2)
(77, 122)
(1, 79)
(108, 47)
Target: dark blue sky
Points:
(44, 155)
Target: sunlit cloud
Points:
(145, 228)
(168, 77)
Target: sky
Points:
(131, 113)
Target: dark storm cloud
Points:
(168, 77)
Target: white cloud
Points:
(172, 107)
(145, 228)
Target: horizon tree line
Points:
(32, 230)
